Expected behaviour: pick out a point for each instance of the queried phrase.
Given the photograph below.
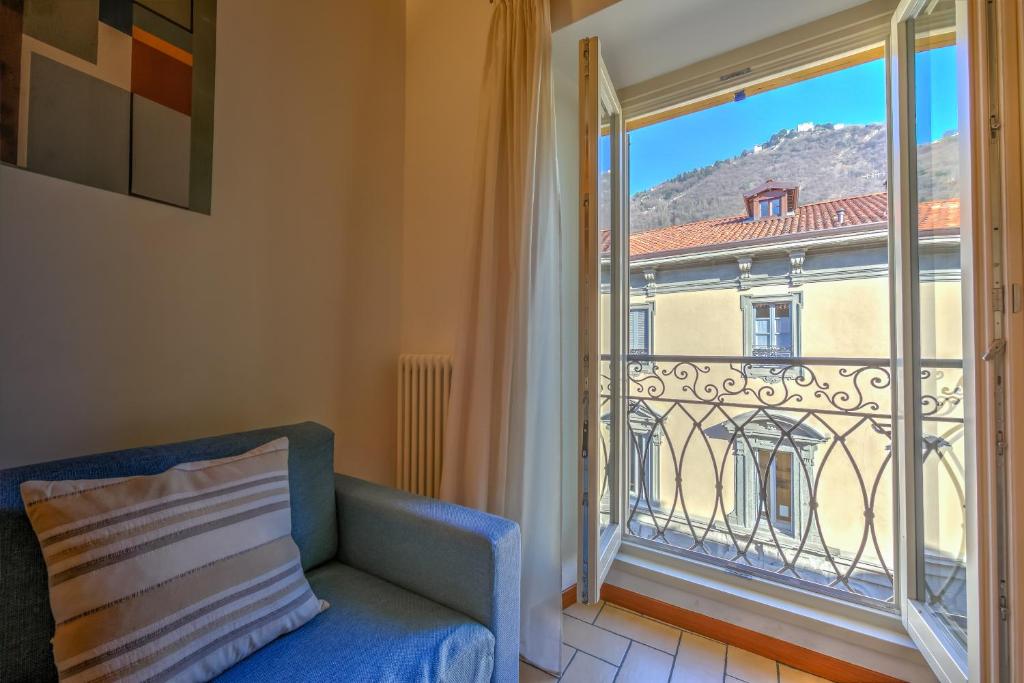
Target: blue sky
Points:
(852, 96)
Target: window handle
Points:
(996, 348)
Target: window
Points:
(772, 330)
(643, 464)
(771, 207)
(774, 473)
(640, 330)
(644, 445)
(777, 479)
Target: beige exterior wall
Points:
(846, 318)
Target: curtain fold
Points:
(503, 437)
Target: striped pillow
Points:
(177, 575)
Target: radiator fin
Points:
(424, 385)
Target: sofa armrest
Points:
(461, 558)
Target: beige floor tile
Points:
(790, 675)
(645, 665)
(699, 660)
(593, 640)
(647, 631)
(567, 653)
(587, 669)
(528, 674)
(749, 667)
(583, 612)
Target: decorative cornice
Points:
(744, 263)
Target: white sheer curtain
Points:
(504, 427)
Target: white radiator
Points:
(424, 383)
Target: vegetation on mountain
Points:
(827, 161)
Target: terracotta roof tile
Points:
(819, 217)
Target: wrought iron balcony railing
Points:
(781, 467)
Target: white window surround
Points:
(795, 301)
(648, 310)
(872, 639)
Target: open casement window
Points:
(935, 316)
(603, 332)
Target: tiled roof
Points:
(937, 215)
(819, 218)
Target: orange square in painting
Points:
(161, 78)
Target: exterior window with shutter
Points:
(640, 331)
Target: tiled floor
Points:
(604, 643)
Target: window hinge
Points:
(1004, 611)
(999, 298)
(993, 123)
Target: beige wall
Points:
(565, 12)
(444, 63)
(127, 322)
(444, 58)
(842, 318)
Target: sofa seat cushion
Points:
(373, 631)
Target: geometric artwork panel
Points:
(160, 151)
(79, 126)
(116, 94)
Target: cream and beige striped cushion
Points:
(178, 575)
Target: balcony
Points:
(782, 468)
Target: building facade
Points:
(760, 409)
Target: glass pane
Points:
(604, 315)
(764, 483)
(783, 486)
(719, 384)
(936, 193)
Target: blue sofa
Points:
(420, 590)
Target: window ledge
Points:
(856, 634)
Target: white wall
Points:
(126, 322)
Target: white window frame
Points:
(950, 661)
(847, 32)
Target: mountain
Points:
(826, 161)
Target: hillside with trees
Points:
(827, 161)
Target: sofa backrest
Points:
(26, 624)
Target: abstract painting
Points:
(116, 94)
